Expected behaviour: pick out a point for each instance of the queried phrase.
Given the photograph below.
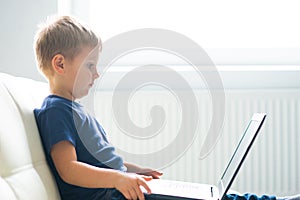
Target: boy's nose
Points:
(96, 74)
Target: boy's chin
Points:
(81, 94)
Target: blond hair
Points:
(61, 35)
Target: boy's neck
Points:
(60, 94)
(58, 91)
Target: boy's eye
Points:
(90, 65)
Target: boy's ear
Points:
(58, 62)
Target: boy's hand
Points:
(129, 185)
(150, 172)
(133, 168)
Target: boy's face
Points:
(82, 72)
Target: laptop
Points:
(173, 190)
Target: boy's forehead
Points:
(94, 54)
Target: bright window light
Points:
(232, 32)
(213, 24)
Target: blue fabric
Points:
(60, 119)
(248, 196)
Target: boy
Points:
(67, 54)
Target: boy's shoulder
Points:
(54, 102)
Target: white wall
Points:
(19, 20)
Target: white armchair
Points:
(24, 173)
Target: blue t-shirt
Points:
(60, 119)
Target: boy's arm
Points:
(133, 168)
(81, 174)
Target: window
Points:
(232, 32)
(235, 34)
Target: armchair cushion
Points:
(24, 173)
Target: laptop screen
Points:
(240, 152)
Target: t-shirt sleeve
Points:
(57, 125)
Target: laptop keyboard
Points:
(180, 188)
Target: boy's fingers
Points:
(147, 178)
(133, 194)
(126, 194)
(145, 185)
(157, 174)
(139, 193)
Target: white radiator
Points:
(273, 165)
